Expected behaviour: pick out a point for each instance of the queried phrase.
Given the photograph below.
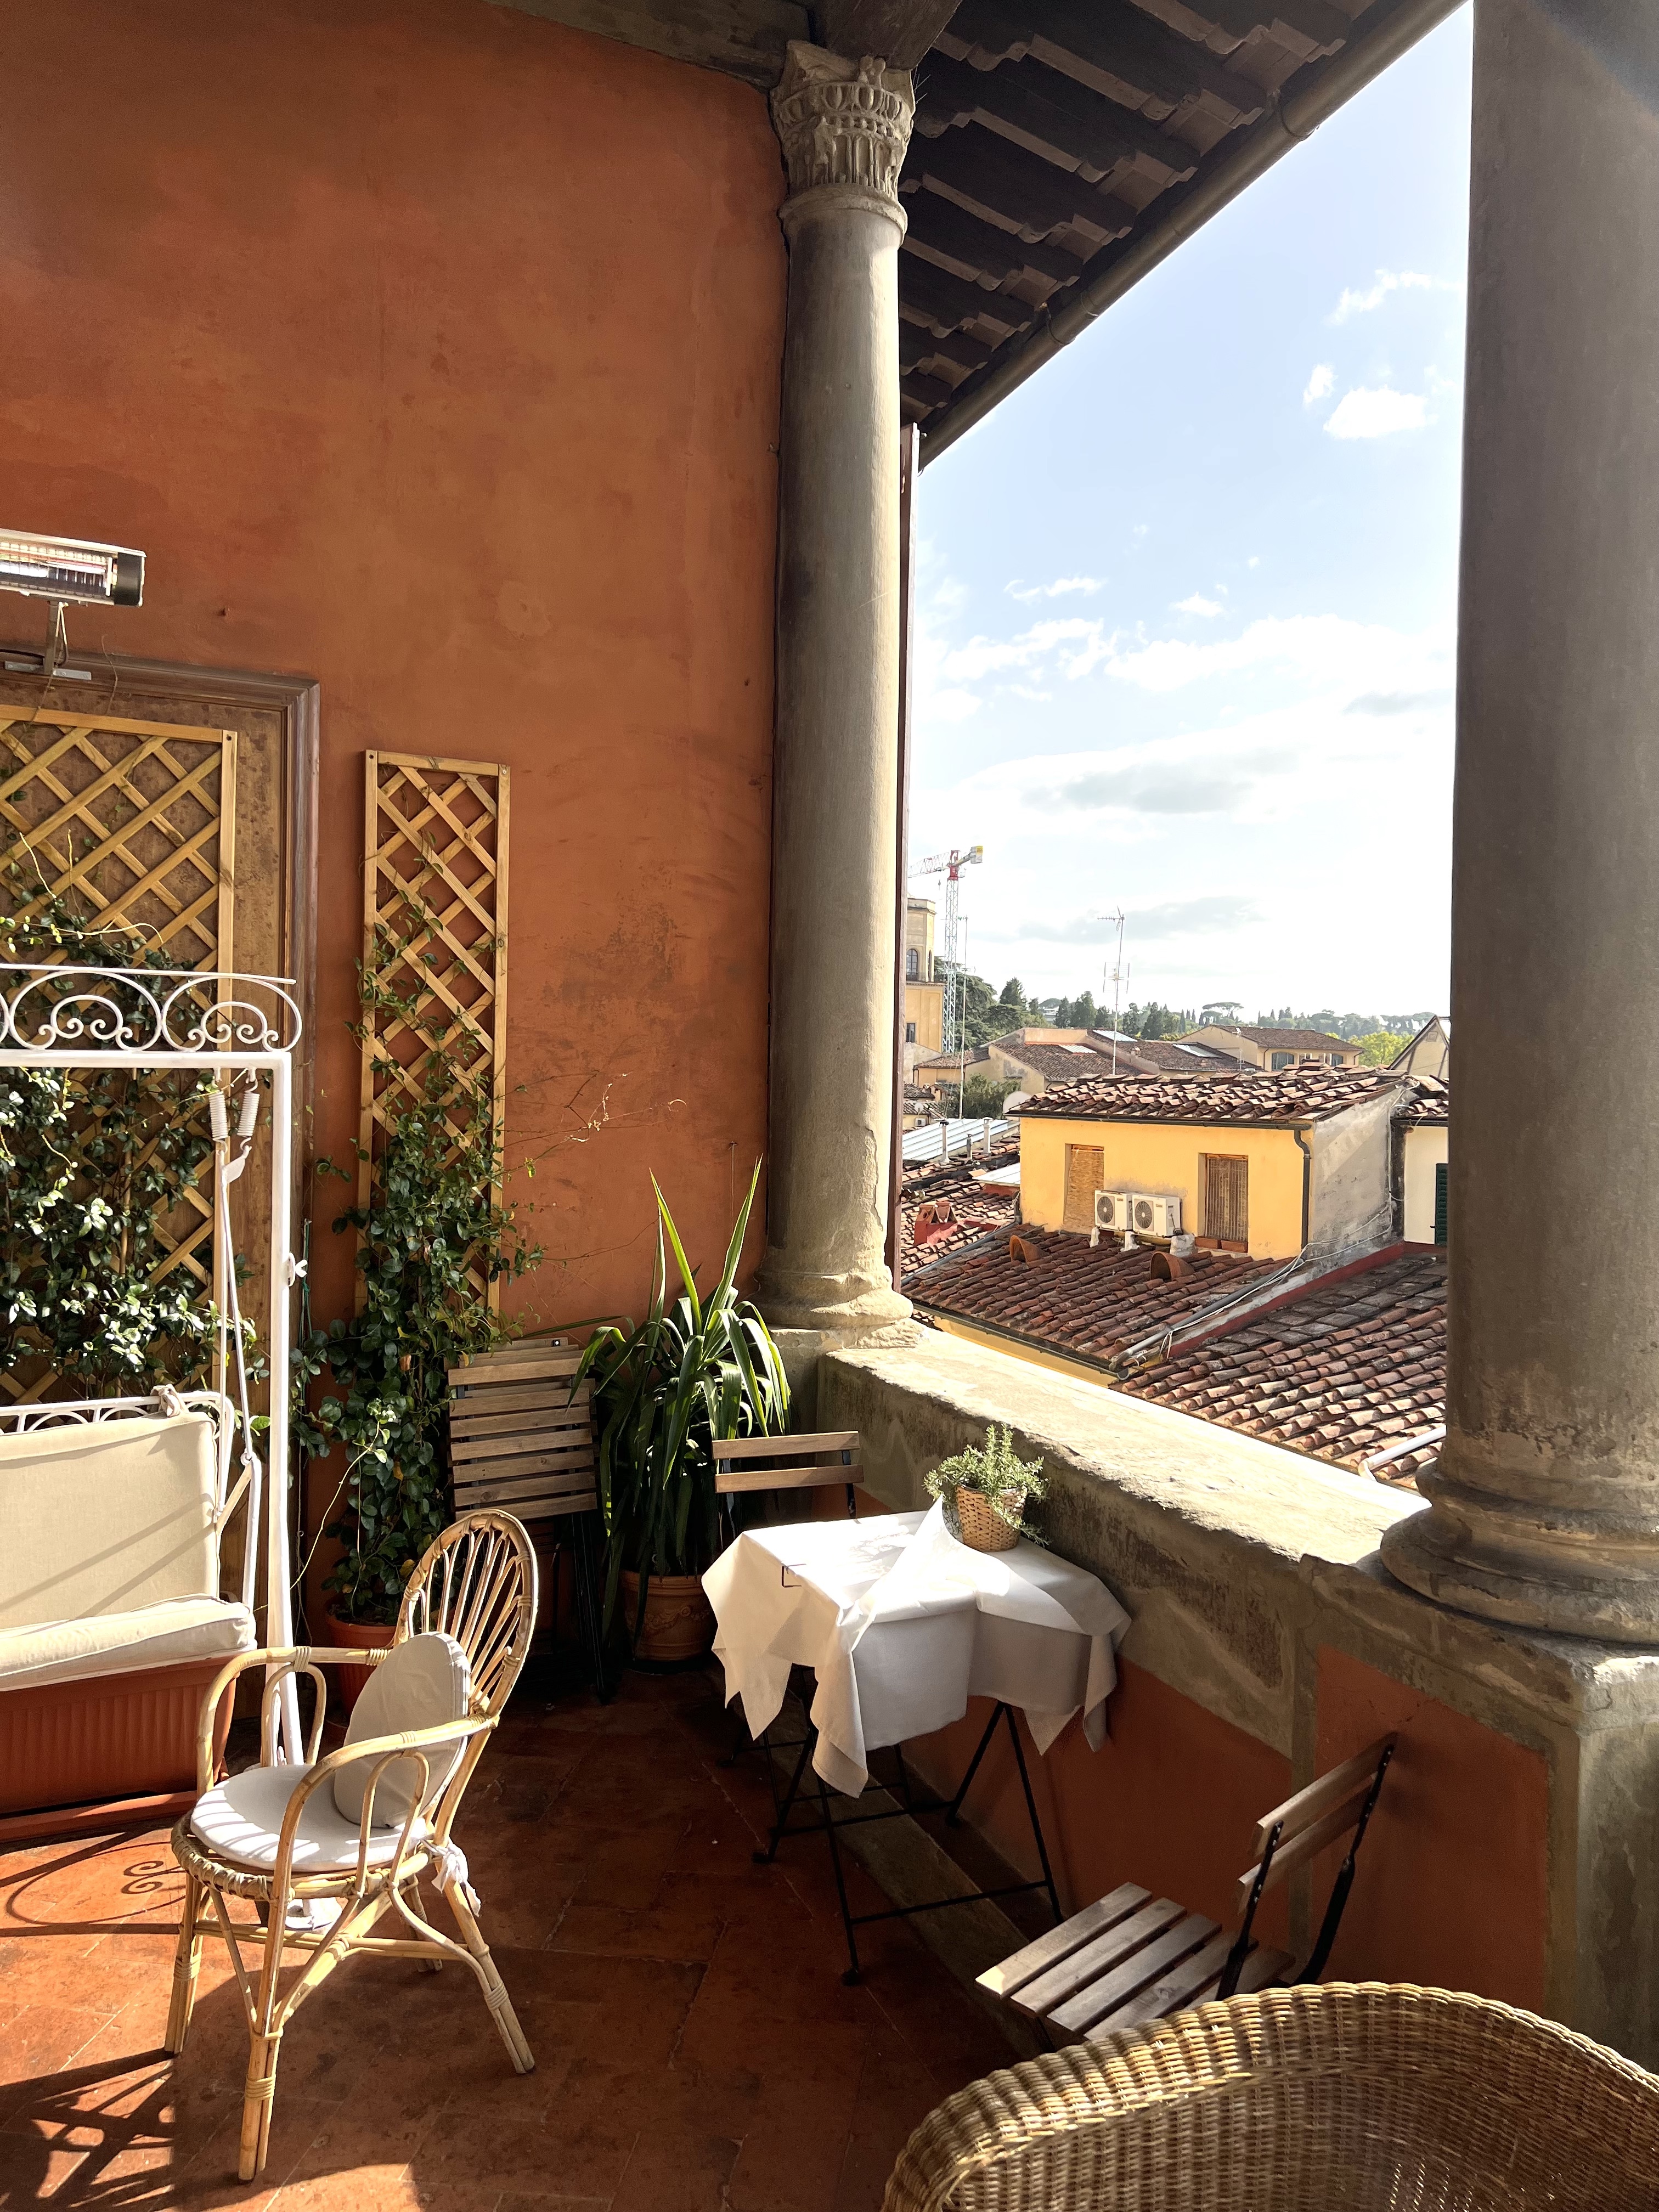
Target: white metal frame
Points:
(75, 1017)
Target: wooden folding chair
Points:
(1133, 1958)
(522, 1440)
(745, 1464)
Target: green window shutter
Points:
(1440, 1203)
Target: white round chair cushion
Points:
(240, 1822)
(420, 1683)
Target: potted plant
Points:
(695, 1369)
(985, 1490)
(430, 1238)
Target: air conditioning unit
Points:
(1112, 1212)
(1153, 1216)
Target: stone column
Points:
(844, 125)
(1546, 1503)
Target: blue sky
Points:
(1186, 601)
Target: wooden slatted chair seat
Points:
(519, 1437)
(1132, 1958)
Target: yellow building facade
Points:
(1273, 1189)
(924, 990)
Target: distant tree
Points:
(1159, 1022)
(981, 1097)
(1382, 1046)
(1013, 994)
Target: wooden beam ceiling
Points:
(900, 31)
(1048, 134)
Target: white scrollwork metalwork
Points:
(144, 1011)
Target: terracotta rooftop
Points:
(1162, 1053)
(1431, 1108)
(1340, 1372)
(1308, 1093)
(971, 1212)
(1274, 1040)
(1087, 1301)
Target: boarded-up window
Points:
(1085, 1169)
(1442, 1207)
(1226, 1198)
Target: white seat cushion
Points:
(171, 1634)
(420, 1683)
(241, 1821)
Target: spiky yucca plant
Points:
(695, 1369)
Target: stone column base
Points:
(1439, 1555)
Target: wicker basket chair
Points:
(325, 1881)
(1340, 2098)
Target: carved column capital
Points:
(842, 123)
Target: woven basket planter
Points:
(979, 1524)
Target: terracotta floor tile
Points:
(40, 2041)
(581, 2154)
(673, 2171)
(696, 2047)
(35, 2172)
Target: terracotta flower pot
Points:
(357, 1636)
(679, 1621)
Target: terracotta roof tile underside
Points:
(1339, 1373)
(1086, 1302)
(1298, 1094)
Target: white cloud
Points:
(1377, 412)
(1025, 691)
(1198, 604)
(1254, 561)
(984, 656)
(1326, 650)
(1059, 589)
(1388, 281)
(1174, 918)
(1320, 384)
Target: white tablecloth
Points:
(902, 1625)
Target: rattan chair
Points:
(477, 1585)
(1340, 2098)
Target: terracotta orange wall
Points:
(1451, 1888)
(431, 350)
(1170, 1800)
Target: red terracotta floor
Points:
(695, 2049)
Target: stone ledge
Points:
(1225, 1550)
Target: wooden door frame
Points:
(297, 699)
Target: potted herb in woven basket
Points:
(985, 1490)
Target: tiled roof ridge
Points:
(1288, 1095)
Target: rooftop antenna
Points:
(1118, 976)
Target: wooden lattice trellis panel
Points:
(435, 874)
(133, 822)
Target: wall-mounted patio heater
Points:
(69, 572)
(241, 1030)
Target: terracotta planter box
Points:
(356, 1636)
(679, 1621)
(114, 1737)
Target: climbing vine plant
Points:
(432, 1240)
(94, 1164)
